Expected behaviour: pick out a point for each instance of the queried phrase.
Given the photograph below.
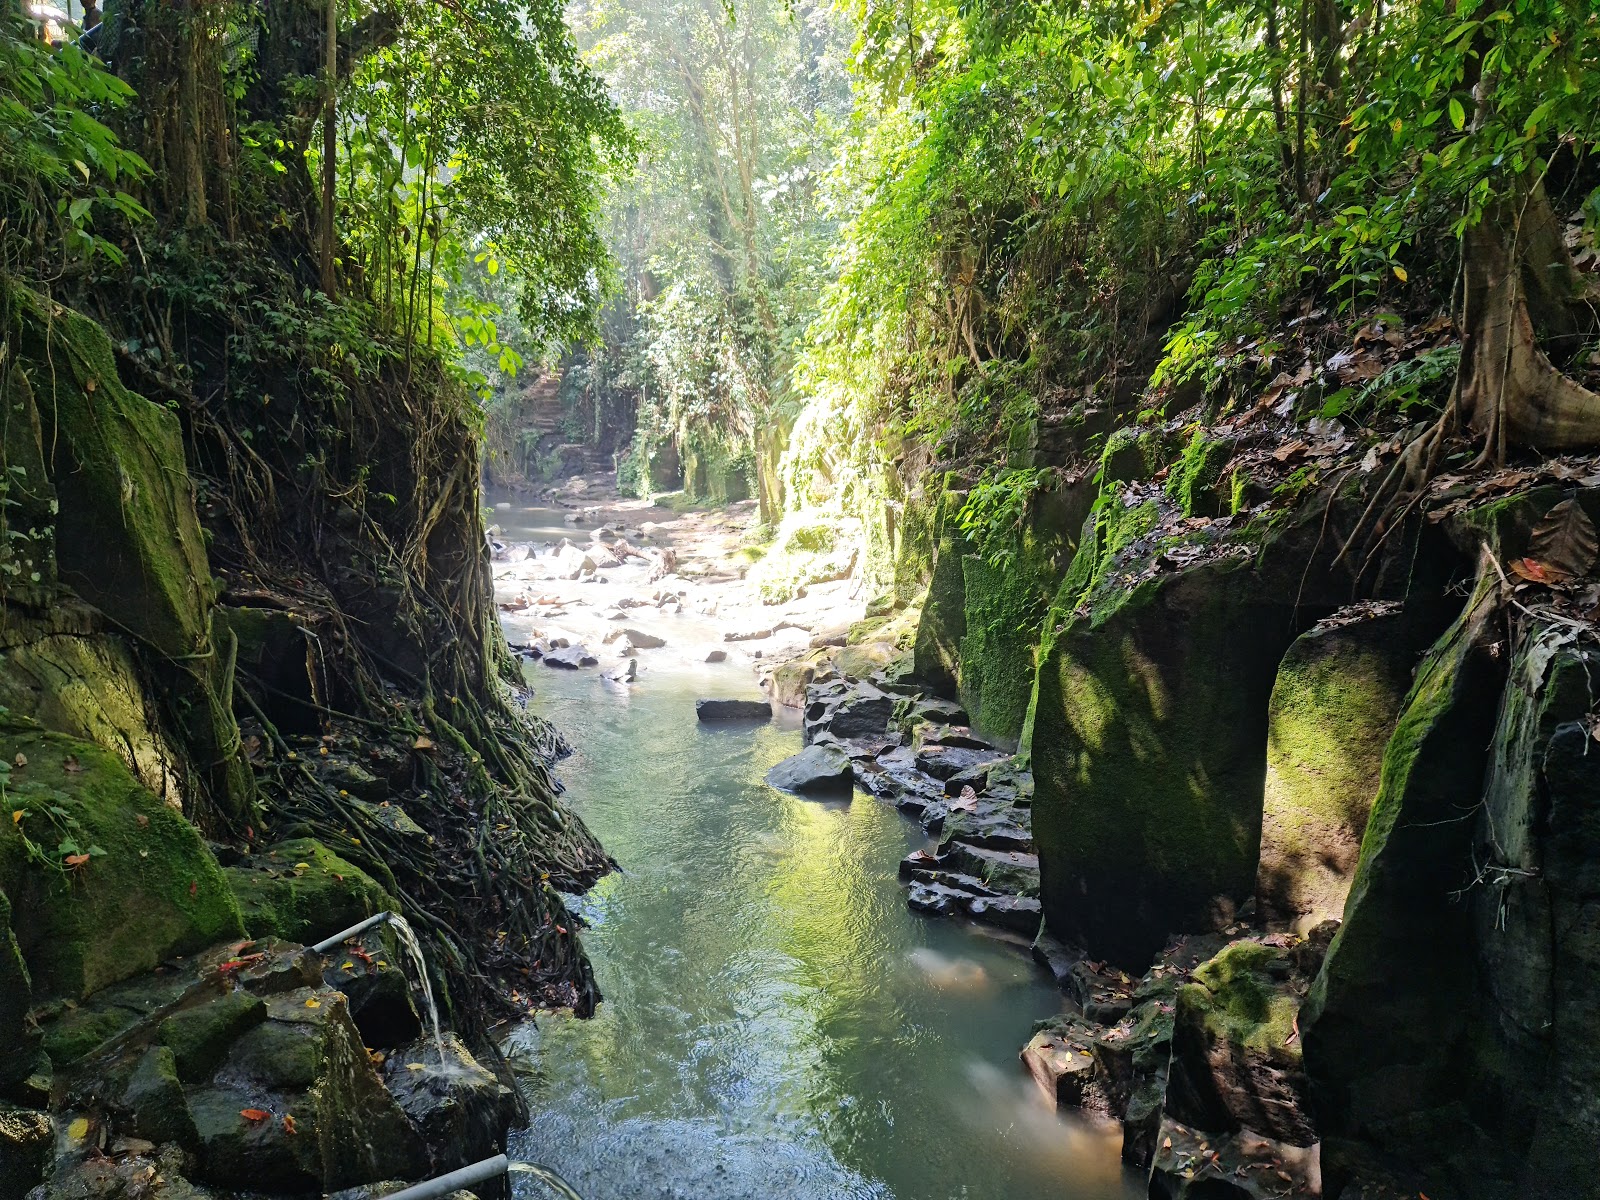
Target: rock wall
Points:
(1340, 792)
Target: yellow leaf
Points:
(415, 1067)
(313, 1002)
(17, 814)
(347, 966)
(79, 1129)
(1400, 274)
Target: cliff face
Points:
(1250, 719)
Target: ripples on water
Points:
(776, 1022)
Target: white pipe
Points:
(327, 944)
(489, 1168)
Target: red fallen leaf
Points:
(1535, 571)
(255, 1114)
(561, 929)
(194, 887)
(288, 1124)
(75, 860)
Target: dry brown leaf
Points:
(1565, 540)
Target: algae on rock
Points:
(147, 889)
(1337, 696)
(1149, 745)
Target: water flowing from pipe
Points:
(413, 947)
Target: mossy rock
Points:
(87, 685)
(1386, 1024)
(1149, 745)
(154, 891)
(154, 1100)
(1335, 702)
(1195, 478)
(1235, 1057)
(199, 1037)
(128, 537)
(301, 891)
(1006, 603)
(943, 622)
(1136, 453)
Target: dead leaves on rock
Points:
(1564, 546)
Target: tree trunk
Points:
(1518, 287)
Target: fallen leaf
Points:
(194, 887)
(415, 1067)
(75, 860)
(1566, 539)
(254, 1114)
(144, 821)
(21, 759)
(79, 1129)
(288, 1124)
(71, 766)
(313, 1002)
(17, 814)
(422, 743)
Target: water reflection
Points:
(776, 1021)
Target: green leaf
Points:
(1458, 115)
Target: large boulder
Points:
(1388, 1026)
(815, 771)
(733, 710)
(458, 1106)
(104, 880)
(1148, 749)
(1336, 699)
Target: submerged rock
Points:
(816, 770)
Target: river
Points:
(776, 1022)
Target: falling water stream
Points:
(776, 1021)
(408, 940)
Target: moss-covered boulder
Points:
(1536, 920)
(127, 536)
(301, 891)
(1386, 1025)
(1335, 702)
(104, 880)
(199, 1036)
(936, 653)
(1006, 600)
(1149, 748)
(154, 1100)
(1236, 1060)
(71, 676)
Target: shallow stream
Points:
(776, 1022)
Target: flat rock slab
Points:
(816, 770)
(733, 710)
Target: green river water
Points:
(776, 1022)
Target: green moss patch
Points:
(301, 891)
(152, 891)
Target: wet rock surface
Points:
(733, 710)
(246, 1067)
(815, 771)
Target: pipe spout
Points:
(360, 927)
(464, 1177)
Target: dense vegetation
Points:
(1030, 205)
